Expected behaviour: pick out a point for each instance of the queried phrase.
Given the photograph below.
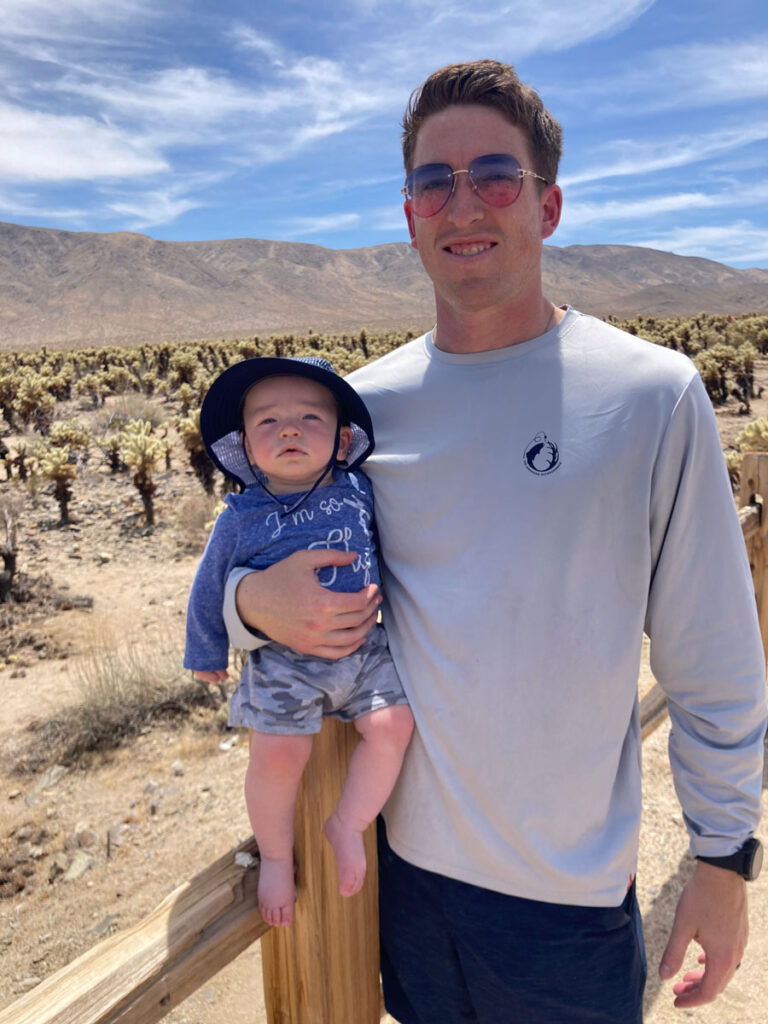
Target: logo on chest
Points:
(541, 455)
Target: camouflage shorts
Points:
(284, 692)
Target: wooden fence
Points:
(322, 970)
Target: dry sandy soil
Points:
(171, 798)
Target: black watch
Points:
(745, 862)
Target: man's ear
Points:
(551, 209)
(411, 223)
(345, 440)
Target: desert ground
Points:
(89, 848)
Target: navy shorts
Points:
(453, 953)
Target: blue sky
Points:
(190, 120)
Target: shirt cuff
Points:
(241, 636)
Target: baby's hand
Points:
(217, 676)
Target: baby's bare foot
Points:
(277, 893)
(350, 854)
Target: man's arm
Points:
(706, 652)
(287, 604)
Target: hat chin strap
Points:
(302, 498)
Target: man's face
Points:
(290, 426)
(480, 257)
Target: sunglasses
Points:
(497, 178)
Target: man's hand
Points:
(287, 603)
(712, 910)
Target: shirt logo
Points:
(541, 456)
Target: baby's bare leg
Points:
(271, 783)
(373, 770)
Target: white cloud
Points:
(696, 74)
(246, 38)
(45, 147)
(38, 17)
(185, 98)
(511, 30)
(26, 205)
(577, 213)
(740, 242)
(640, 156)
(298, 227)
(148, 209)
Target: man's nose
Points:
(465, 205)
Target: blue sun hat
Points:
(221, 415)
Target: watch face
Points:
(755, 862)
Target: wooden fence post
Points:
(324, 968)
(754, 490)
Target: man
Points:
(547, 487)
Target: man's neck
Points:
(485, 330)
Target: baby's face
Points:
(289, 425)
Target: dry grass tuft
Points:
(123, 689)
(192, 519)
(121, 409)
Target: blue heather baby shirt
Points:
(255, 530)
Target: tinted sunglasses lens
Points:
(497, 179)
(429, 188)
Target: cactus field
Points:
(106, 498)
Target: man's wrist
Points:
(746, 862)
(242, 635)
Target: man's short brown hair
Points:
(487, 83)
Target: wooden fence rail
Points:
(322, 970)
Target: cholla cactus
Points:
(9, 387)
(21, 460)
(70, 434)
(56, 467)
(733, 464)
(93, 387)
(112, 449)
(218, 509)
(183, 367)
(34, 404)
(189, 431)
(754, 437)
(142, 451)
(8, 549)
(186, 394)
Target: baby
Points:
(292, 433)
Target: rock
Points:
(23, 833)
(28, 983)
(12, 883)
(14, 794)
(177, 768)
(52, 777)
(81, 863)
(85, 837)
(59, 865)
(245, 860)
(115, 836)
(107, 925)
(103, 557)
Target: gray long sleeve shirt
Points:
(538, 507)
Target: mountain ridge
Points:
(68, 288)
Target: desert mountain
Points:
(67, 288)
